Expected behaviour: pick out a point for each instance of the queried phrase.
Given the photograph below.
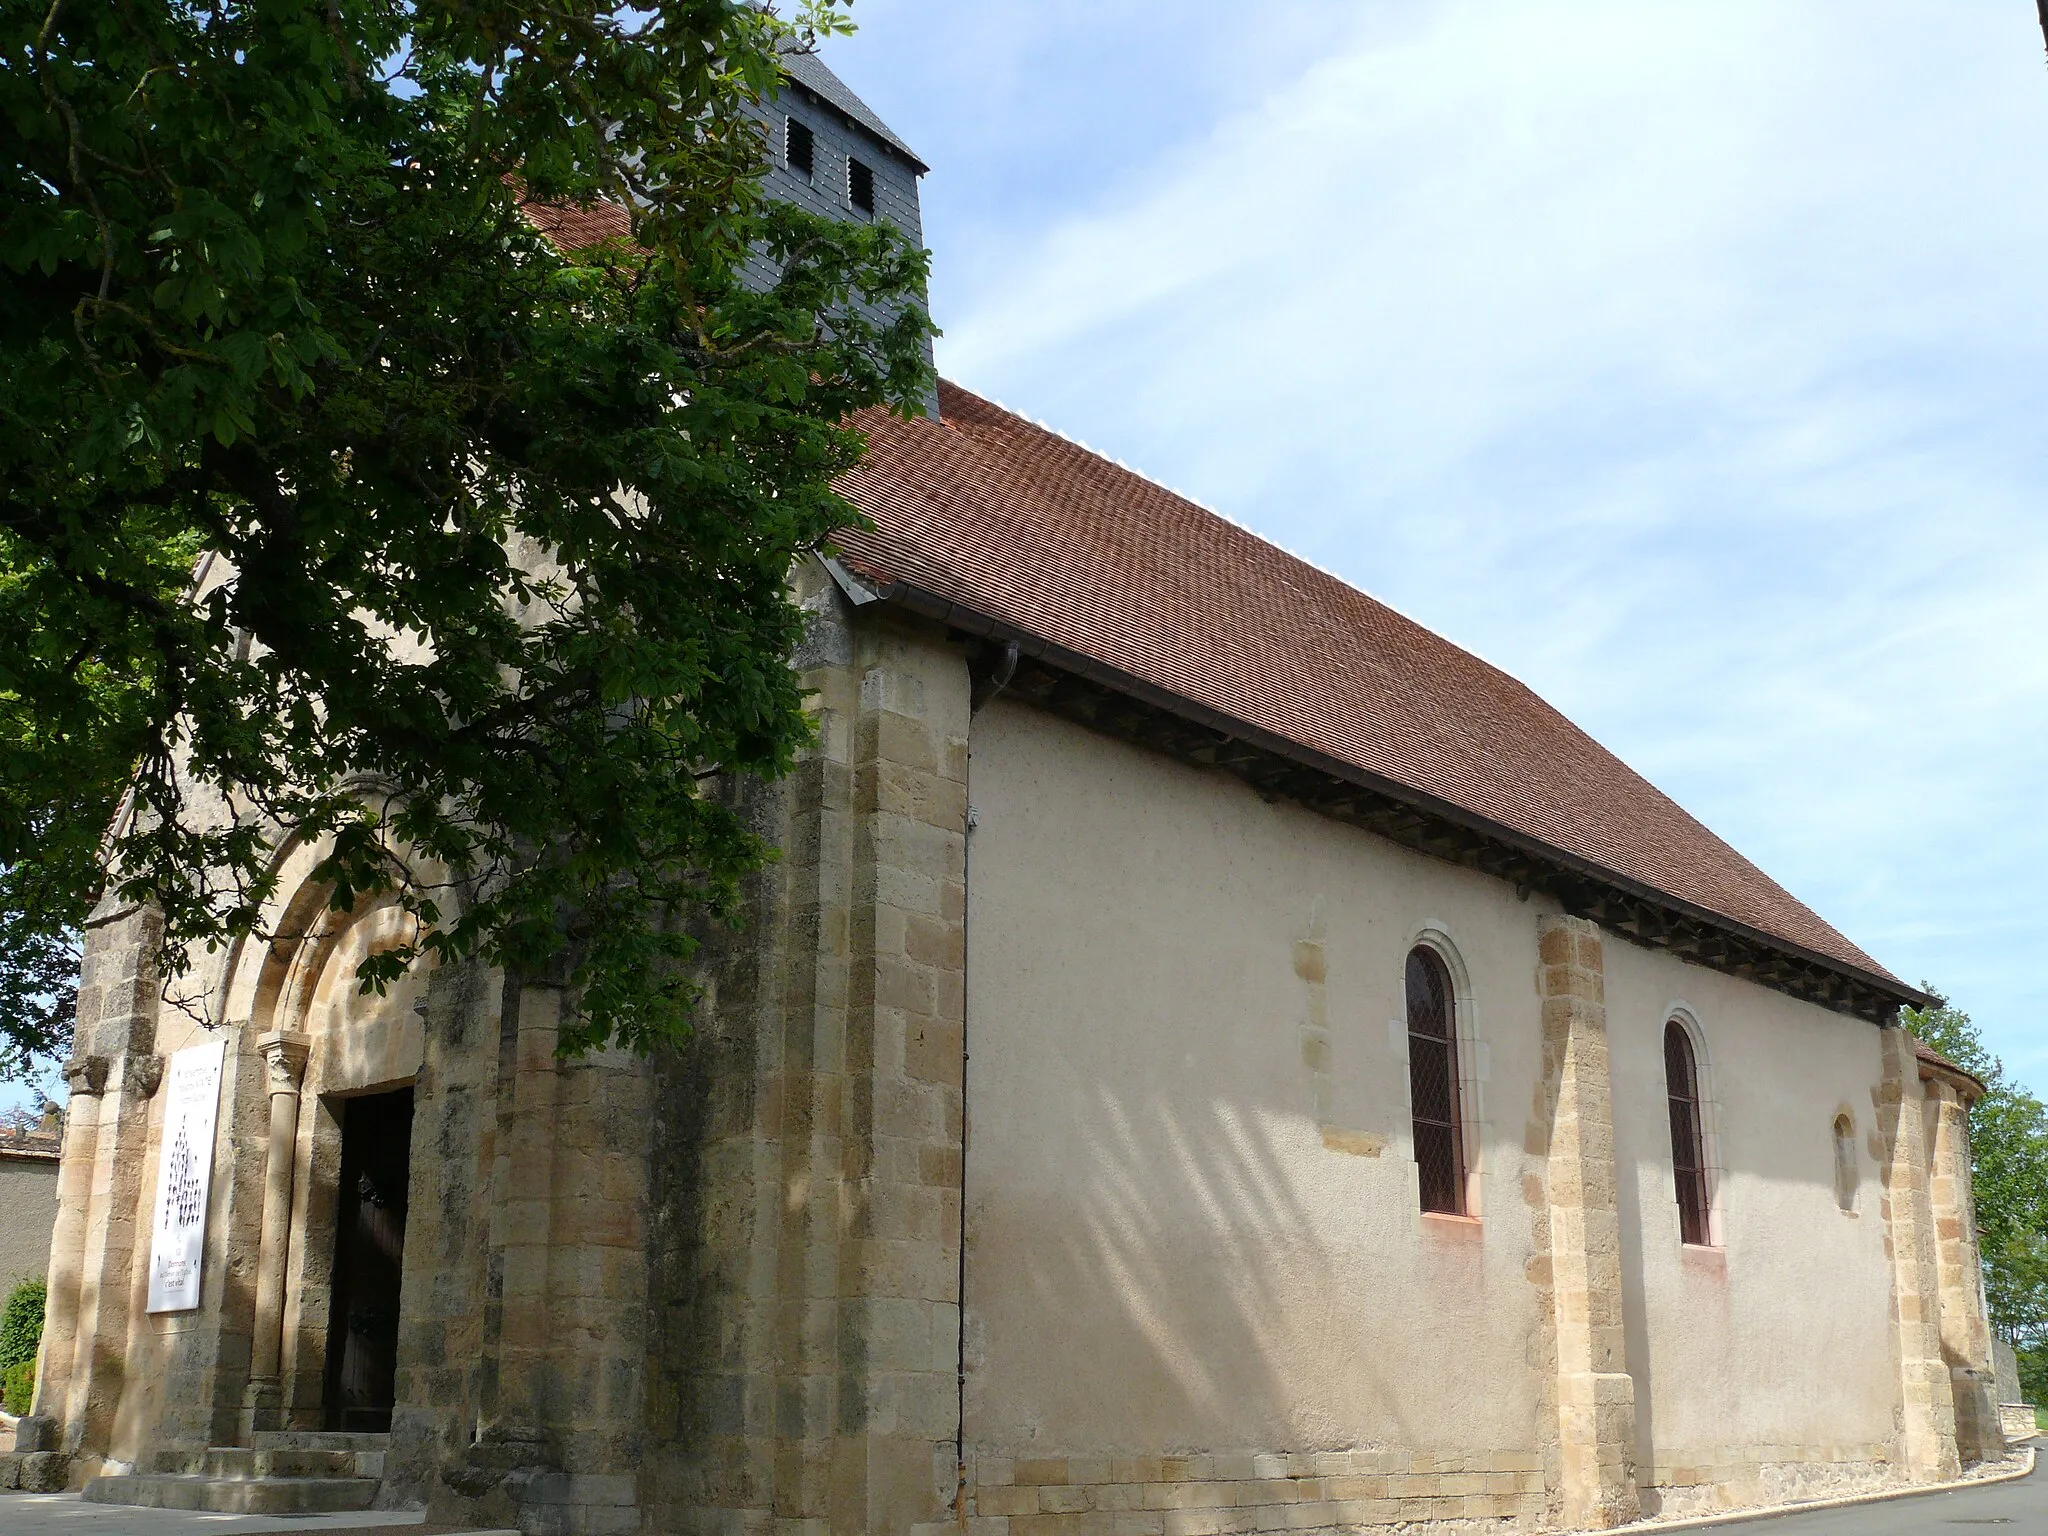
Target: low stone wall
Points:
(1253, 1492)
(1731, 1478)
(2018, 1422)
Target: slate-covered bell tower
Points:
(831, 154)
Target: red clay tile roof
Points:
(1930, 1057)
(1014, 523)
(572, 227)
(35, 1145)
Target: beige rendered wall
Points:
(28, 1196)
(1164, 1254)
(1774, 1345)
(1192, 1214)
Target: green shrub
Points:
(21, 1330)
(2033, 1362)
(21, 1324)
(18, 1387)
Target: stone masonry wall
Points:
(1595, 1393)
(1252, 1492)
(446, 1362)
(1965, 1331)
(805, 1262)
(1927, 1418)
(522, 1356)
(95, 1260)
(1689, 1483)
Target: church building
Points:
(1213, 1056)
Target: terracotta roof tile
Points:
(571, 226)
(38, 1144)
(1005, 518)
(1930, 1057)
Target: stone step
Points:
(316, 1440)
(235, 1495)
(236, 1462)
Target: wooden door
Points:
(369, 1250)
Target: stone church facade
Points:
(1212, 1057)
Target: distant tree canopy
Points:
(2009, 1176)
(338, 505)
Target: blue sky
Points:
(1688, 361)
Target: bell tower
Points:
(831, 154)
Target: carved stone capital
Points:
(86, 1075)
(142, 1075)
(284, 1053)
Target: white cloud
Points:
(1688, 360)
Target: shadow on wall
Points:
(1163, 1259)
(1213, 1280)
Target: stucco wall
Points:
(1781, 1337)
(1163, 1254)
(28, 1196)
(1175, 1246)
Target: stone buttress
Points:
(1926, 1404)
(806, 1276)
(1595, 1393)
(1965, 1334)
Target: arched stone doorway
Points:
(341, 1065)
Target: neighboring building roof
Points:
(809, 71)
(572, 226)
(37, 1146)
(1941, 1066)
(1010, 522)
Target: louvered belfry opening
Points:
(1433, 1083)
(799, 148)
(1688, 1155)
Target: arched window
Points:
(1433, 1082)
(1688, 1157)
(1845, 1163)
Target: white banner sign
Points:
(184, 1171)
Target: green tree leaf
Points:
(2008, 1174)
(338, 504)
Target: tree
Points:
(337, 504)
(2009, 1178)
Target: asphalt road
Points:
(2018, 1508)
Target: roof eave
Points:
(1936, 1068)
(971, 621)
